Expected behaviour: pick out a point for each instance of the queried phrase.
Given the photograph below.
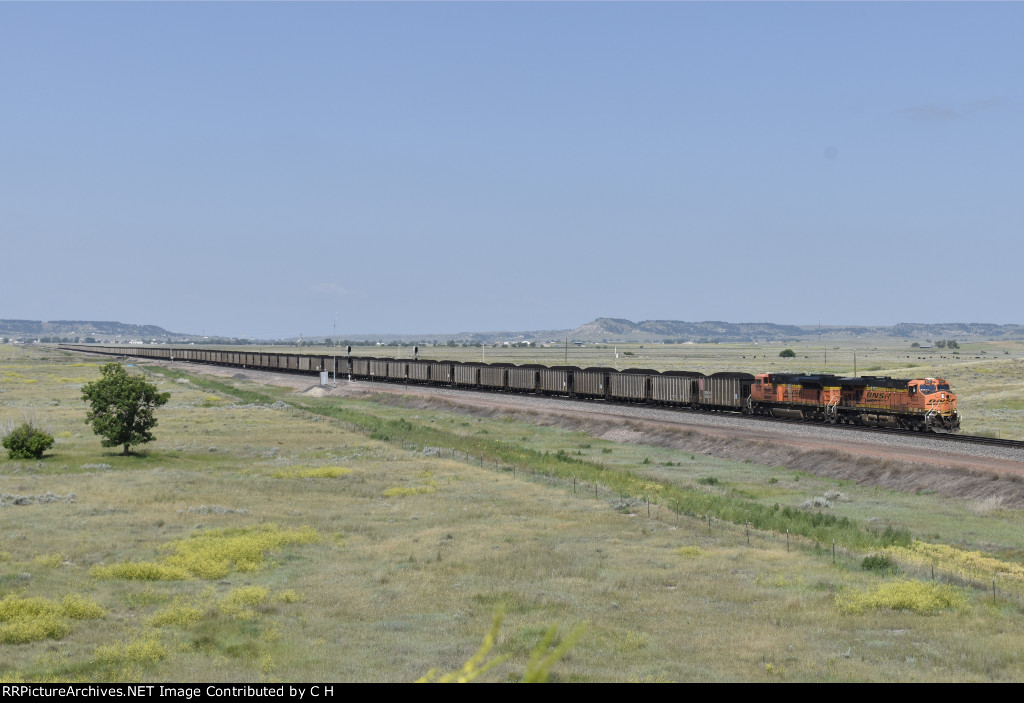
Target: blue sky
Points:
(257, 168)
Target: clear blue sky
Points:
(254, 168)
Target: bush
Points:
(27, 442)
(787, 354)
(878, 562)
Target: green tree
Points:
(26, 442)
(121, 407)
(787, 354)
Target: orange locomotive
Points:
(922, 404)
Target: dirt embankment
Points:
(995, 481)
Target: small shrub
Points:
(787, 354)
(78, 607)
(878, 562)
(708, 481)
(27, 442)
(240, 601)
(42, 627)
(290, 596)
(178, 613)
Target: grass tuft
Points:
(239, 602)
(125, 654)
(179, 614)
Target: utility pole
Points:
(819, 342)
(334, 354)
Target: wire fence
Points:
(1000, 587)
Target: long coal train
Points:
(923, 404)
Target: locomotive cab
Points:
(933, 398)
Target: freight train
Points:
(921, 404)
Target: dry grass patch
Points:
(318, 472)
(212, 554)
(30, 619)
(923, 597)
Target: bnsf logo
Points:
(876, 395)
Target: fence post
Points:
(787, 539)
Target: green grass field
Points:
(267, 535)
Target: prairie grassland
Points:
(333, 574)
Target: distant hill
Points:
(611, 329)
(100, 330)
(608, 329)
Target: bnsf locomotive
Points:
(922, 404)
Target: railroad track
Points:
(930, 436)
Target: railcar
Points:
(556, 380)
(631, 385)
(676, 387)
(525, 378)
(441, 373)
